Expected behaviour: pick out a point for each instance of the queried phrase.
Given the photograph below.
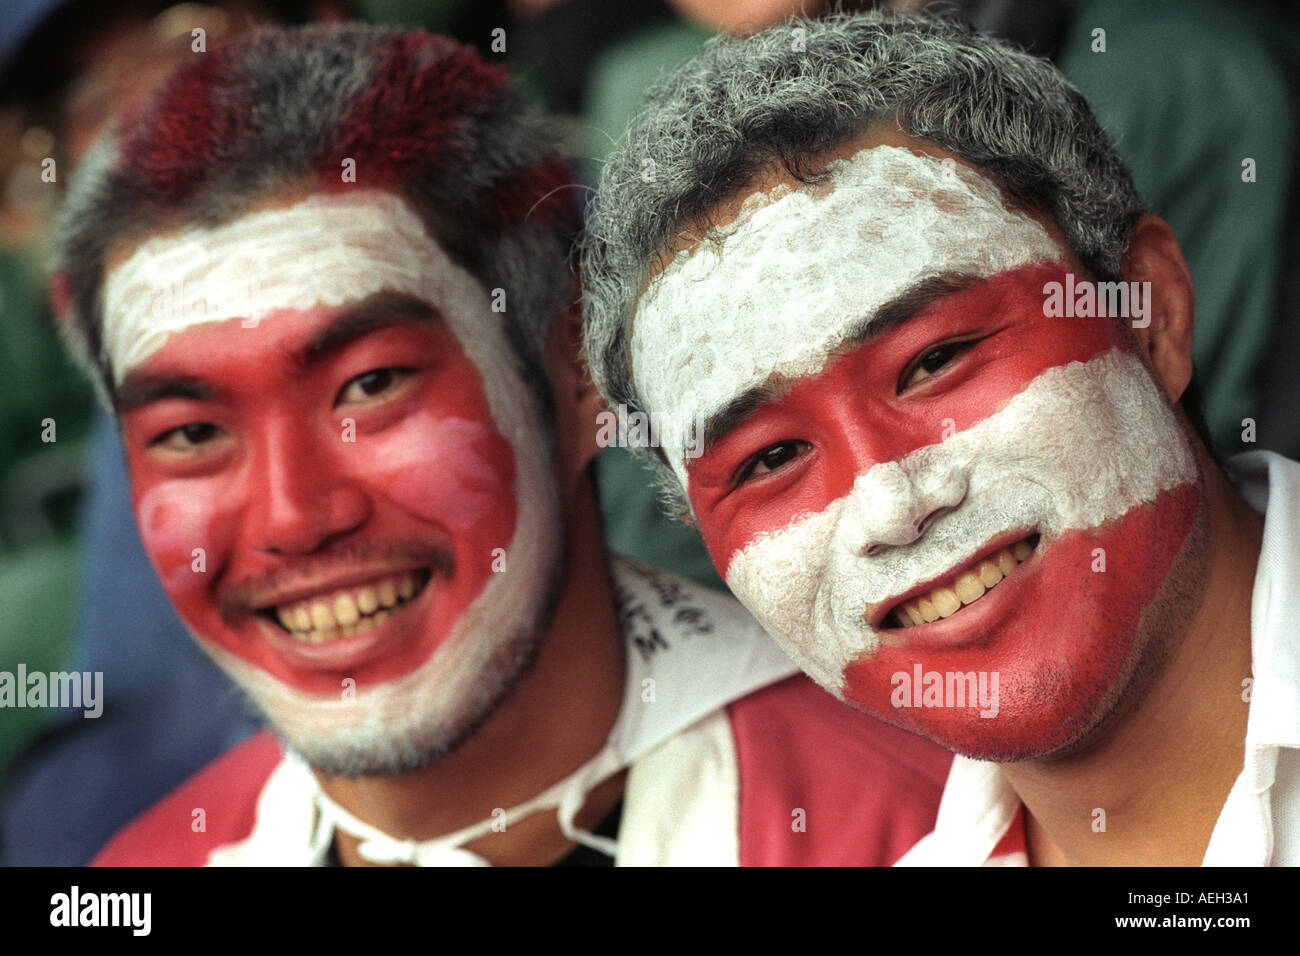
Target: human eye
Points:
(375, 385)
(187, 438)
(770, 459)
(930, 362)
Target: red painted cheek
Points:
(181, 524)
(458, 474)
(854, 417)
(1060, 651)
(454, 471)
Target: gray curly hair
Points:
(793, 92)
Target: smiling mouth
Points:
(350, 611)
(961, 589)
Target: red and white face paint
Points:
(883, 474)
(401, 481)
(797, 268)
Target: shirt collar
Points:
(977, 808)
(1271, 485)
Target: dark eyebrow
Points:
(378, 311)
(742, 407)
(139, 389)
(908, 304)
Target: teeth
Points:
(349, 612)
(969, 587)
(345, 610)
(321, 616)
(990, 574)
(945, 601)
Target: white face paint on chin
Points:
(338, 250)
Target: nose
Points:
(303, 494)
(890, 506)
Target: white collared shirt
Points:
(1259, 824)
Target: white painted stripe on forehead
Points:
(800, 267)
(1081, 446)
(329, 249)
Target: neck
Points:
(1161, 774)
(558, 717)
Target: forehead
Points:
(327, 251)
(797, 269)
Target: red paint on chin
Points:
(1057, 634)
(853, 417)
(282, 502)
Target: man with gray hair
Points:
(952, 453)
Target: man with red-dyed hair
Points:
(321, 277)
(952, 457)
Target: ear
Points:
(1164, 334)
(577, 402)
